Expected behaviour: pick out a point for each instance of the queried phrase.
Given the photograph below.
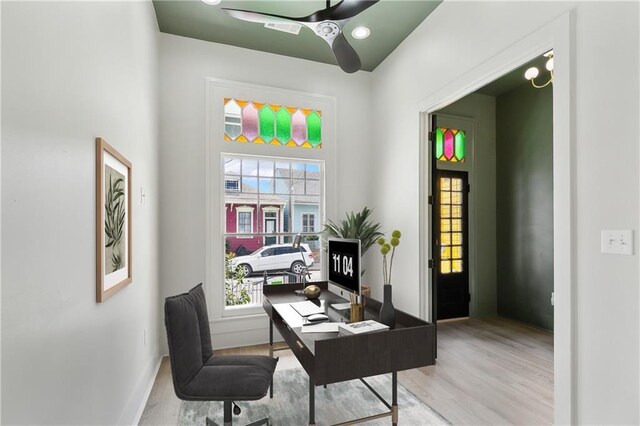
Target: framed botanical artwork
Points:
(113, 221)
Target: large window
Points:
(270, 156)
(275, 199)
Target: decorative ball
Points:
(312, 291)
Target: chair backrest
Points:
(188, 335)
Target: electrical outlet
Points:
(143, 196)
(616, 241)
(552, 299)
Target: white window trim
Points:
(244, 209)
(313, 215)
(216, 147)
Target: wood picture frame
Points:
(114, 257)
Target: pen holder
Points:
(357, 312)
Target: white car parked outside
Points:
(274, 257)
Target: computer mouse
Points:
(317, 318)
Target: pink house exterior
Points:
(252, 243)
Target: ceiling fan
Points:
(327, 24)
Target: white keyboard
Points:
(307, 308)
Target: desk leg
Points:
(394, 398)
(271, 354)
(312, 403)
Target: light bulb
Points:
(212, 2)
(360, 33)
(549, 64)
(531, 73)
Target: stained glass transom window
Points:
(263, 123)
(451, 244)
(450, 145)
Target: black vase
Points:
(387, 314)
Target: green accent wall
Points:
(524, 204)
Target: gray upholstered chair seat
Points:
(245, 379)
(265, 362)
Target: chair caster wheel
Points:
(236, 409)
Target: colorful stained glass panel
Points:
(267, 123)
(439, 144)
(450, 145)
(314, 129)
(283, 125)
(298, 127)
(249, 121)
(232, 120)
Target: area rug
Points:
(337, 403)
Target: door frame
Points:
(558, 35)
(266, 210)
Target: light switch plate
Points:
(616, 241)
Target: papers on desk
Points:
(368, 326)
(323, 327)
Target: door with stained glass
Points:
(451, 233)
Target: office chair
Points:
(198, 374)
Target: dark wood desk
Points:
(328, 358)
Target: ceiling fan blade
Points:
(346, 56)
(261, 18)
(349, 8)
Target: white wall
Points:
(185, 64)
(605, 81)
(483, 280)
(71, 72)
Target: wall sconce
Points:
(533, 72)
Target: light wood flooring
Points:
(489, 372)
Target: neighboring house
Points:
(246, 216)
(248, 213)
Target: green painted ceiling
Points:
(515, 78)
(390, 21)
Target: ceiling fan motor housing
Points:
(327, 29)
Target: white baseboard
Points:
(143, 402)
